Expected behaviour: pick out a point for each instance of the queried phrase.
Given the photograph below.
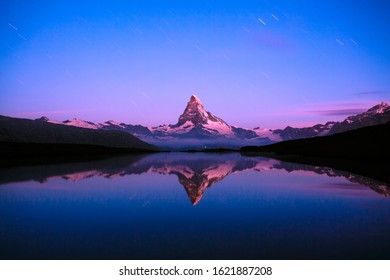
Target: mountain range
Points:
(28, 137)
(198, 128)
(379, 114)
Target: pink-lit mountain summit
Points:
(197, 114)
(196, 122)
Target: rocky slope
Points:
(41, 131)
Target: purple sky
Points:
(252, 63)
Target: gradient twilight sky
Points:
(252, 63)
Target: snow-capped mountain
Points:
(290, 133)
(196, 122)
(137, 130)
(268, 133)
(73, 122)
(80, 123)
(211, 131)
(379, 114)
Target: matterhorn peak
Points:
(194, 98)
(196, 101)
(194, 112)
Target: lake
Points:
(191, 206)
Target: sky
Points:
(252, 63)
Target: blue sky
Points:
(252, 63)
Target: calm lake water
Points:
(191, 206)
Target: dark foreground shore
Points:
(362, 151)
(12, 153)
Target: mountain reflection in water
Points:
(195, 171)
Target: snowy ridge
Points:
(74, 122)
(267, 133)
(219, 127)
(113, 123)
(380, 108)
(378, 114)
(81, 123)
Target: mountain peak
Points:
(383, 105)
(194, 112)
(194, 98)
(379, 108)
